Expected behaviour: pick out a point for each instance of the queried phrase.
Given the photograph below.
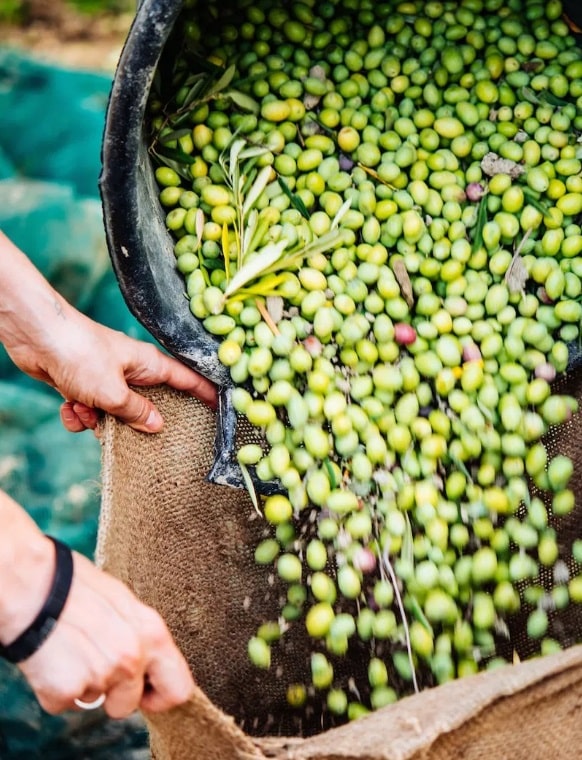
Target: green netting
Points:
(6, 166)
(50, 133)
(52, 121)
(61, 233)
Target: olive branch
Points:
(203, 87)
(261, 267)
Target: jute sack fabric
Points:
(186, 547)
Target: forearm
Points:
(105, 641)
(31, 310)
(26, 569)
(86, 362)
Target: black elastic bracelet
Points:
(37, 632)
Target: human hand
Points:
(107, 642)
(92, 366)
(104, 641)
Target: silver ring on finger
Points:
(95, 705)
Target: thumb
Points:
(140, 414)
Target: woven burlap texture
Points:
(186, 547)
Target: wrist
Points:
(34, 635)
(27, 566)
(32, 315)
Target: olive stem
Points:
(267, 317)
(375, 175)
(522, 242)
(394, 580)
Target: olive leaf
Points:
(181, 170)
(178, 119)
(553, 100)
(529, 95)
(250, 487)
(242, 178)
(265, 258)
(175, 134)
(204, 268)
(212, 264)
(460, 466)
(197, 86)
(480, 223)
(265, 267)
(250, 174)
(204, 86)
(264, 287)
(268, 284)
(418, 613)
(330, 472)
(319, 245)
(296, 201)
(233, 157)
(222, 82)
(407, 552)
(199, 225)
(225, 249)
(176, 154)
(534, 201)
(341, 212)
(544, 96)
(253, 152)
(250, 229)
(261, 228)
(255, 191)
(517, 274)
(242, 100)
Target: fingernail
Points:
(154, 421)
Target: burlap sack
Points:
(186, 547)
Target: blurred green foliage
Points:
(17, 12)
(12, 12)
(102, 6)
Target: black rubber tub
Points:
(140, 246)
